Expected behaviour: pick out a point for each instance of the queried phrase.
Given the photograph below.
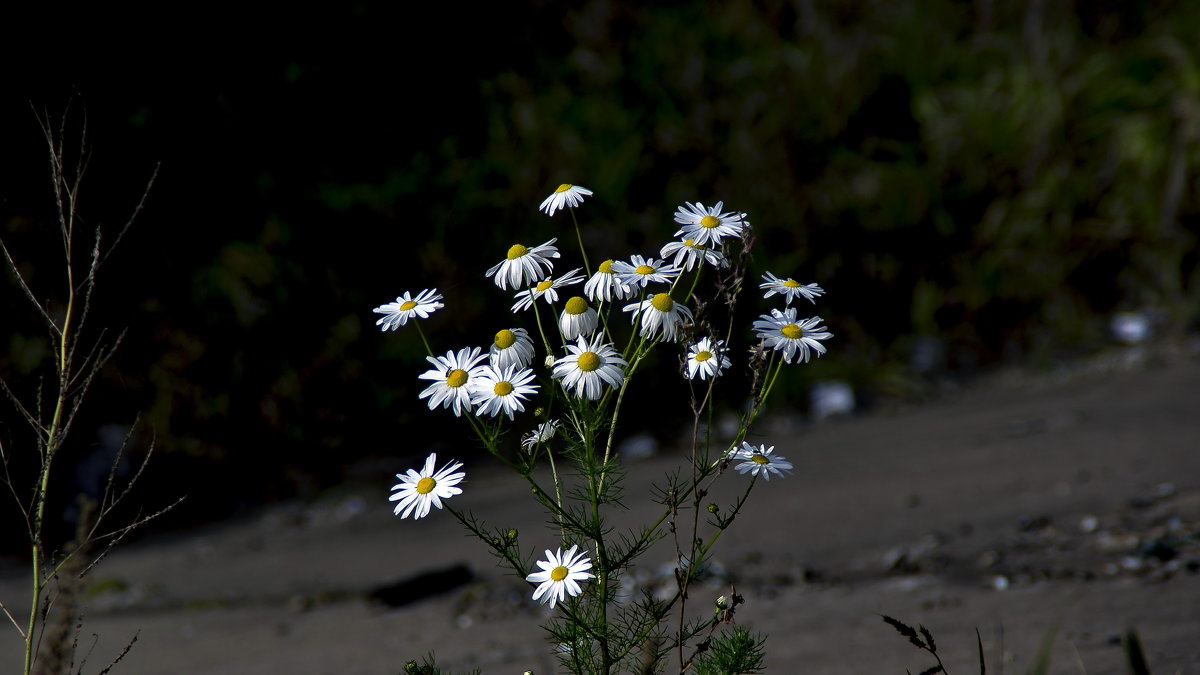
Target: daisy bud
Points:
(549, 361)
(712, 508)
(723, 603)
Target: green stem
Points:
(579, 238)
(53, 442)
(423, 340)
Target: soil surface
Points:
(1020, 505)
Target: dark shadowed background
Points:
(971, 182)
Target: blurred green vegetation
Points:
(1003, 176)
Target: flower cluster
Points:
(582, 354)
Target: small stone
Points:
(1089, 524)
(1000, 582)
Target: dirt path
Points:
(1025, 502)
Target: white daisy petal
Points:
(660, 315)
(546, 289)
(498, 391)
(640, 271)
(511, 347)
(707, 359)
(565, 195)
(688, 254)
(760, 461)
(790, 289)
(544, 432)
(588, 366)
(523, 265)
(604, 287)
(451, 377)
(560, 575)
(708, 226)
(405, 307)
(577, 319)
(416, 491)
(783, 332)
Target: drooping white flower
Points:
(523, 265)
(547, 289)
(451, 377)
(783, 332)
(688, 255)
(405, 307)
(560, 575)
(588, 366)
(603, 286)
(416, 491)
(497, 391)
(640, 271)
(544, 432)
(759, 460)
(577, 319)
(511, 347)
(707, 359)
(563, 196)
(660, 315)
(789, 288)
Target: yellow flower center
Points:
(502, 388)
(564, 187)
(644, 269)
(792, 283)
(709, 222)
(691, 243)
(544, 286)
(426, 485)
(606, 267)
(576, 305)
(760, 459)
(457, 377)
(663, 302)
(516, 251)
(703, 356)
(407, 305)
(588, 361)
(558, 573)
(791, 331)
(505, 338)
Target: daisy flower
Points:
(708, 226)
(688, 254)
(640, 271)
(760, 461)
(547, 288)
(560, 575)
(544, 432)
(588, 366)
(405, 307)
(707, 359)
(577, 319)
(498, 391)
(565, 195)
(789, 288)
(416, 491)
(660, 314)
(451, 374)
(523, 265)
(511, 347)
(603, 286)
(783, 332)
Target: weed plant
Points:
(50, 408)
(573, 362)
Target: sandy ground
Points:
(1017, 505)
